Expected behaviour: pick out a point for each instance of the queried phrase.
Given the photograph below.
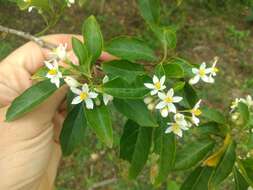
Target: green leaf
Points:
(73, 130)
(93, 37)
(246, 169)
(135, 144)
(150, 10)
(187, 67)
(177, 86)
(244, 112)
(240, 182)
(81, 52)
(190, 97)
(123, 69)
(69, 98)
(166, 148)
(209, 128)
(120, 88)
(172, 185)
(172, 70)
(171, 38)
(5, 49)
(135, 110)
(225, 166)
(198, 179)
(192, 153)
(131, 49)
(99, 120)
(213, 115)
(30, 99)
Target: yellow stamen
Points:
(52, 72)
(175, 127)
(197, 112)
(215, 69)
(84, 95)
(168, 99)
(157, 85)
(202, 72)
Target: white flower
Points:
(106, 97)
(71, 82)
(84, 95)
(178, 126)
(214, 69)
(54, 73)
(234, 104)
(69, 2)
(158, 85)
(168, 101)
(248, 101)
(195, 113)
(201, 73)
(60, 52)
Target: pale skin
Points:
(29, 146)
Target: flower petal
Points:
(172, 108)
(205, 78)
(93, 94)
(153, 92)
(89, 104)
(160, 105)
(76, 90)
(203, 66)
(177, 99)
(170, 92)
(195, 71)
(76, 100)
(48, 65)
(194, 80)
(155, 79)
(164, 112)
(161, 95)
(162, 80)
(85, 88)
(168, 130)
(149, 85)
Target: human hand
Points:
(29, 152)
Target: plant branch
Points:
(42, 43)
(103, 183)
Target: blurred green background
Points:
(206, 28)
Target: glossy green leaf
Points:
(240, 182)
(135, 144)
(30, 99)
(187, 67)
(93, 37)
(244, 112)
(172, 70)
(72, 134)
(192, 153)
(225, 166)
(123, 69)
(209, 128)
(120, 88)
(213, 115)
(190, 97)
(81, 52)
(177, 86)
(131, 49)
(246, 169)
(69, 98)
(135, 110)
(198, 179)
(150, 10)
(99, 120)
(166, 144)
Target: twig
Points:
(103, 183)
(42, 43)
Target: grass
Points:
(204, 32)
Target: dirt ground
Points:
(203, 32)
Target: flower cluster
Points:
(84, 92)
(205, 74)
(165, 101)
